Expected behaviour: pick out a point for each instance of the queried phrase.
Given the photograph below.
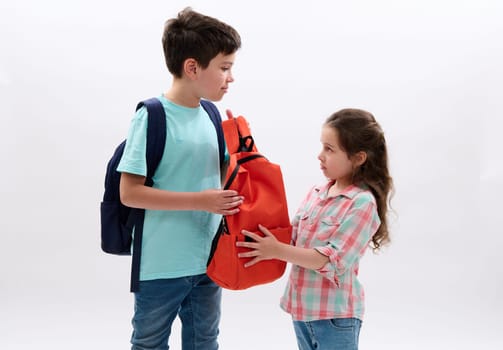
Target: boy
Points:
(184, 207)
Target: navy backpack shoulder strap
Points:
(214, 114)
(156, 134)
(156, 140)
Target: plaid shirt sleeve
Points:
(350, 238)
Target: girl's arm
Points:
(346, 245)
(268, 247)
(351, 237)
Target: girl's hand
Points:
(264, 248)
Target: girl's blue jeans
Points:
(336, 333)
(195, 299)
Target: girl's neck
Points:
(338, 187)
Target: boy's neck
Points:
(181, 94)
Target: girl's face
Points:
(334, 162)
(214, 80)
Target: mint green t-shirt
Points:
(176, 243)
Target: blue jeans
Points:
(334, 334)
(195, 299)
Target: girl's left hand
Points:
(263, 248)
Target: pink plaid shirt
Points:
(340, 228)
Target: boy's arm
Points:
(135, 194)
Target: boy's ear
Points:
(359, 158)
(190, 68)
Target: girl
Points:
(332, 229)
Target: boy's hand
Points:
(229, 114)
(264, 248)
(225, 202)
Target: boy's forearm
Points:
(145, 197)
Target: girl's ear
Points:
(359, 158)
(190, 68)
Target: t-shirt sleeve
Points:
(133, 159)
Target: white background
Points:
(71, 73)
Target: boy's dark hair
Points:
(359, 131)
(193, 35)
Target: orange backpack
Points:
(261, 184)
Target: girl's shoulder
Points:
(364, 197)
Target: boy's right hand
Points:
(225, 202)
(229, 114)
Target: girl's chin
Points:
(327, 176)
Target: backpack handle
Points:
(238, 136)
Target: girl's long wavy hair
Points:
(359, 131)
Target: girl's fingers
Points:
(264, 230)
(250, 245)
(251, 254)
(252, 235)
(252, 262)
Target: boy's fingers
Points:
(229, 212)
(237, 201)
(233, 204)
(229, 193)
(233, 195)
(229, 114)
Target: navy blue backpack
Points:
(119, 220)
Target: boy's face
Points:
(213, 81)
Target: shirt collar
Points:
(350, 192)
